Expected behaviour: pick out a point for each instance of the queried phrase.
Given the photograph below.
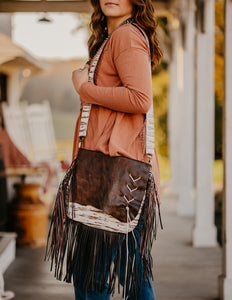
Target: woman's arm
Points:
(133, 67)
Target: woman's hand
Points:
(79, 76)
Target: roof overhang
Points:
(13, 57)
(8, 50)
(10, 6)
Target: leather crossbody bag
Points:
(100, 204)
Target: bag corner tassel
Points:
(57, 239)
(150, 218)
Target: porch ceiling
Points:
(161, 6)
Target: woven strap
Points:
(86, 109)
(150, 132)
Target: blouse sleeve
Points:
(133, 67)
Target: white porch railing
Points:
(30, 127)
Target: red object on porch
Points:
(13, 157)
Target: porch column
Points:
(174, 107)
(16, 83)
(204, 231)
(226, 277)
(186, 193)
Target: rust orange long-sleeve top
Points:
(121, 96)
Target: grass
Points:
(64, 125)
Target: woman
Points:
(122, 80)
(121, 95)
(122, 92)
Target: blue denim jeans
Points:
(146, 291)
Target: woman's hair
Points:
(143, 14)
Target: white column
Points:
(5, 23)
(186, 194)
(204, 232)
(226, 277)
(15, 86)
(175, 90)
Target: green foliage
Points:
(160, 82)
(219, 73)
(218, 129)
(219, 49)
(165, 168)
(218, 172)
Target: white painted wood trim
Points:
(7, 250)
(226, 277)
(186, 194)
(204, 232)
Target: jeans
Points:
(145, 293)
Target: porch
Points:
(182, 271)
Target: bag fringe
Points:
(150, 218)
(95, 254)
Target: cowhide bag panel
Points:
(113, 184)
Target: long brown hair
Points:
(143, 14)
